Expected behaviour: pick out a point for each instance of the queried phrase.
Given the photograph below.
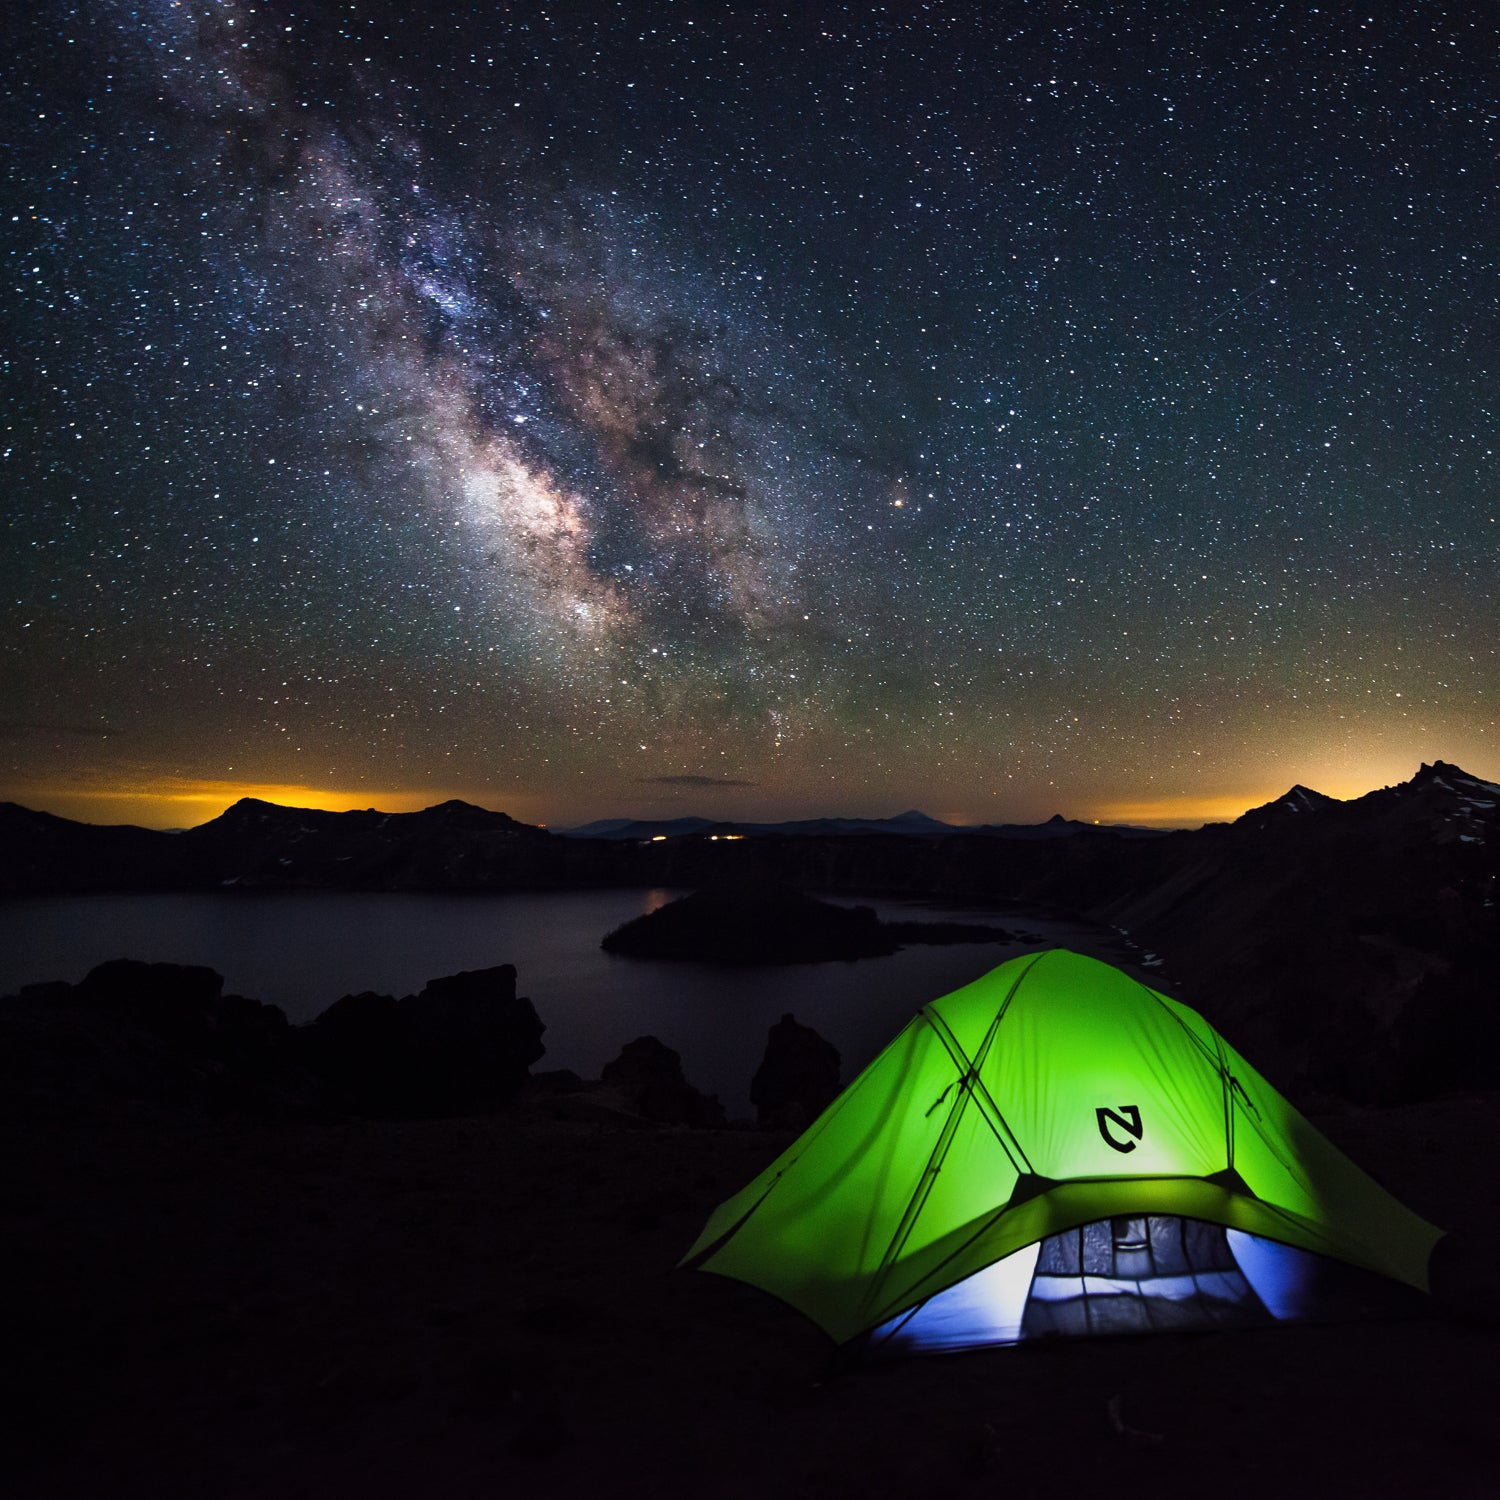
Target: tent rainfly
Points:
(1056, 1148)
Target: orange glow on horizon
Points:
(140, 797)
(1175, 812)
(1188, 811)
(183, 802)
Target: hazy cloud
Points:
(704, 781)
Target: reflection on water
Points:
(303, 950)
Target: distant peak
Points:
(256, 807)
(1304, 798)
(1445, 775)
(456, 813)
(1444, 770)
(1056, 818)
(1298, 800)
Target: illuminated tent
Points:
(1056, 1148)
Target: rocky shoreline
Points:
(165, 1036)
(464, 1307)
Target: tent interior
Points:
(1140, 1274)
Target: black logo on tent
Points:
(1128, 1118)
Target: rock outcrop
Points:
(798, 1078)
(166, 1035)
(158, 1034)
(647, 1076)
(465, 1043)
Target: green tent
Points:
(1057, 1148)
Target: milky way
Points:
(996, 408)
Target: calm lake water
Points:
(303, 950)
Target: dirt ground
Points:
(488, 1307)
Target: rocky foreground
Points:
(260, 1310)
(226, 1288)
(164, 1037)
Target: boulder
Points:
(466, 1042)
(357, 1050)
(165, 1034)
(798, 1078)
(473, 1039)
(185, 1006)
(647, 1075)
(173, 1000)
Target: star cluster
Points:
(992, 407)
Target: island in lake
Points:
(760, 922)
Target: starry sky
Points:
(645, 407)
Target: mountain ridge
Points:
(1352, 944)
(459, 845)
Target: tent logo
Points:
(1128, 1118)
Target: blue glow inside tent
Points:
(1132, 1274)
(1284, 1278)
(985, 1308)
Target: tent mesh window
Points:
(1139, 1274)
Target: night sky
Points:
(633, 408)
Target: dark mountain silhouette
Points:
(642, 828)
(261, 845)
(1059, 827)
(912, 823)
(1301, 801)
(40, 852)
(452, 845)
(1353, 943)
